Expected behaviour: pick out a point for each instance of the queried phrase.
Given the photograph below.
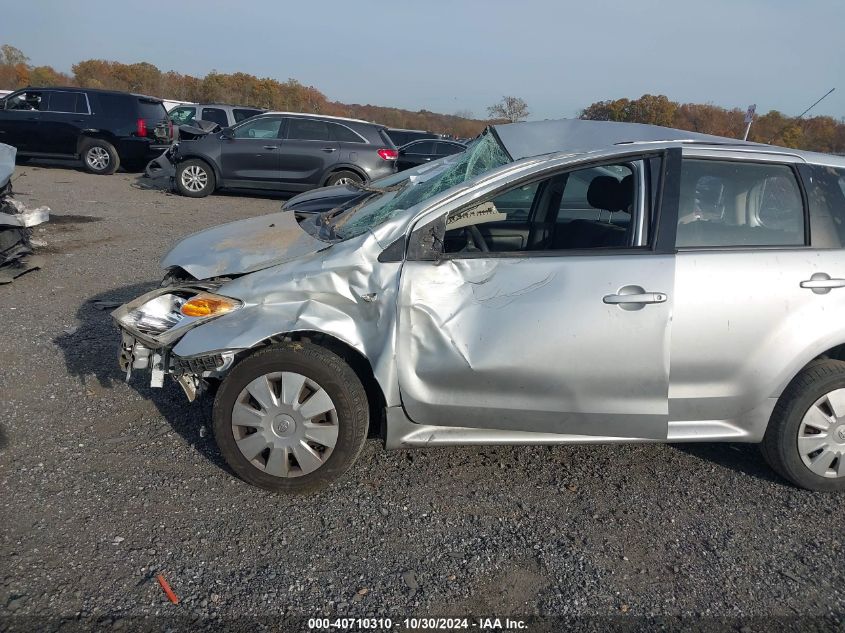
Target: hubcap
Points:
(194, 178)
(345, 181)
(821, 436)
(98, 158)
(285, 424)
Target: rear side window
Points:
(343, 134)
(241, 114)
(446, 149)
(215, 115)
(724, 204)
(826, 195)
(114, 105)
(308, 130)
(73, 102)
(423, 147)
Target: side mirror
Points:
(227, 133)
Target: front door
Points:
(19, 121)
(566, 330)
(250, 158)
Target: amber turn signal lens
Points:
(207, 305)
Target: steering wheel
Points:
(475, 237)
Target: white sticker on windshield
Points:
(480, 214)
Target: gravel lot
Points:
(104, 485)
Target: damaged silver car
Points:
(559, 282)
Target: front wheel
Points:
(195, 179)
(805, 439)
(291, 417)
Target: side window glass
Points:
(182, 115)
(423, 147)
(259, 128)
(73, 102)
(308, 130)
(215, 115)
(343, 134)
(447, 149)
(826, 196)
(592, 208)
(499, 224)
(241, 114)
(29, 100)
(725, 203)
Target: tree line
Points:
(234, 88)
(818, 133)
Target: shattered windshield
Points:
(484, 155)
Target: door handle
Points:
(821, 283)
(639, 298)
(271, 147)
(329, 149)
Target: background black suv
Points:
(284, 151)
(103, 128)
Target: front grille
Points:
(197, 365)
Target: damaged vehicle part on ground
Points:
(559, 282)
(16, 246)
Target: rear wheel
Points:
(805, 440)
(344, 177)
(195, 179)
(99, 157)
(292, 417)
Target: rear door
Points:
(20, 121)
(67, 114)
(251, 157)
(755, 299)
(308, 152)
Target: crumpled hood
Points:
(323, 199)
(243, 246)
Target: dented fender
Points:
(350, 296)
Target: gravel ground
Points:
(105, 485)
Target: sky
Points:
(464, 55)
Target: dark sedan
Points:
(426, 150)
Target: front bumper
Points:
(192, 373)
(146, 350)
(163, 165)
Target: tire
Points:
(195, 178)
(789, 445)
(99, 157)
(284, 464)
(22, 160)
(343, 177)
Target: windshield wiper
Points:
(365, 187)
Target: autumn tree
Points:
(510, 109)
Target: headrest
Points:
(605, 192)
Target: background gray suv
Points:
(284, 151)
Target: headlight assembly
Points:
(173, 310)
